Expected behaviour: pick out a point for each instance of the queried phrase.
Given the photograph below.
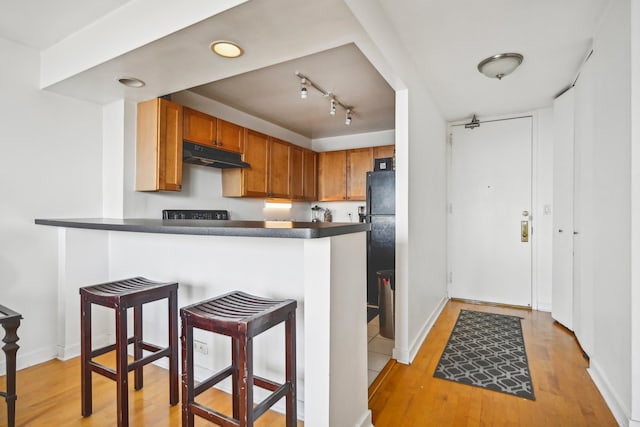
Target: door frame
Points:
(535, 210)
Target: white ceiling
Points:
(446, 40)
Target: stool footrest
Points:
(213, 380)
(102, 370)
(107, 348)
(213, 415)
(267, 403)
(149, 358)
(265, 383)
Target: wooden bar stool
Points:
(120, 296)
(10, 321)
(240, 316)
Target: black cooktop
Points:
(194, 214)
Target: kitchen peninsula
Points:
(321, 265)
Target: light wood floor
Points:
(48, 394)
(565, 394)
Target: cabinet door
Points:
(296, 166)
(310, 175)
(159, 146)
(383, 151)
(332, 175)
(230, 136)
(198, 127)
(256, 153)
(279, 169)
(359, 162)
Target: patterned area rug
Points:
(487, 350)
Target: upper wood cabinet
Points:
(296, 172)
(310, 175)
(383, 151)
(204, 129)
(332, 175)
(278, 171)
(359, 162)
(251, 181)
(159, 146)
(342, 174)
(199, 127)
(230, 136)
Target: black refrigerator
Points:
(381, 240)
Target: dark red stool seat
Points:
(240, 316)
(10, 321)
(120, 296)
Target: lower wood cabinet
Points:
(159, 146)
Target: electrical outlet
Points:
(200, 347)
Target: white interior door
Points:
(563, 189)
(490, 242)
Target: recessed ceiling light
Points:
(131, 82)
(226, 49)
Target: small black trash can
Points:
(387, 302)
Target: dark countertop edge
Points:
(300, 230)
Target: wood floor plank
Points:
(49, 393)
(565, 394)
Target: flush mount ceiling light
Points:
(333, 100)
(131, 82)
(226, 49)
(498, 66)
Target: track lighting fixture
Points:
(334, 101)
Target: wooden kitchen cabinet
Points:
(332, 175)
(383, 151)
(342, 174)
(278, 171)
(229, 136)
(296, 172)
(159, 146)
(251, 181)
(359, 162)
(199, 127)
(310, 175)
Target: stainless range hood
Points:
(208, 156)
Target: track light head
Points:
(303, 88)
(347, 120)
(332, 108)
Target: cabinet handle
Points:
(220, 144)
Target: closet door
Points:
(562, 260)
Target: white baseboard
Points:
(620, 412)
(24, 360)
(406, 356)
(365, 420)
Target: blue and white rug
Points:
(487, 350)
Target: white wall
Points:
(50, 166)
(543, 199)
(421, 188)
(609, 229)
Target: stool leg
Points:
(235, 396)
(173, 344)
(10, 349)
(290, 370)
(137, 348)
(186, 338)
(245, 381)
(85, 356)
(122, 395)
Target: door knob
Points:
(525, 213)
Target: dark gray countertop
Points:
(282, 229)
